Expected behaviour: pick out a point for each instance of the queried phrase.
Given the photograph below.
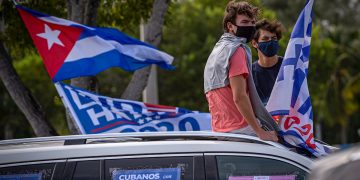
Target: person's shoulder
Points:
(239, 53)
(240, 49)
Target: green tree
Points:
(18, 92)
(23, 51)
(192, 29)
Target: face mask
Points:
(245, 32)
(269, 48)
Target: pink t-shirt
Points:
(225, 116)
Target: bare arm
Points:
(243, 104)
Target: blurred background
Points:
(191, 29)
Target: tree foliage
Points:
(26, 61)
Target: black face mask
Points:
(269, 48)
(245, 32)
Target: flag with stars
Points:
(94, 114)
(290, 96)
(70, 50)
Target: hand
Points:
(267, 135)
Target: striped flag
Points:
(94, 114)
(290, 96)
(70, 50)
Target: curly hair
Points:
(273, 27)
(234, 8)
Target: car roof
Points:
(133, 136)
(138, 144)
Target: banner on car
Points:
(94, 113)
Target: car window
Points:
(28, 172)
(241, 168)
(169, 168)
(89, 170)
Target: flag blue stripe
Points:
(299, 77)
(289, 61)
(305, 107)
(95, 65)
(309, 29)
(279, 112)
(89, 66)
(35, 13)
(306, 53)
(298, 31)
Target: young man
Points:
(265, 70)
(226, 74)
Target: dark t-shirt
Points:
(264, 79)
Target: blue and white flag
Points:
(290, 96)
(70, 50)
(100, 114)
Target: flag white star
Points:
(52, 36)
(141, 121)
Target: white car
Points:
(343, 165)
(145, 156)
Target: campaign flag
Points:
(94, 113)
(70, 50)
(290, 96)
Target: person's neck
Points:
(267, 61)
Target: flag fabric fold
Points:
(290, 96)
(100, 114)
(70, 50)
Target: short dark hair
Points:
(273, 27)
(234, 8)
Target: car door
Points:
(168, 166)
(89, 169)
(32, 170)
(147, 167)
(238, 166)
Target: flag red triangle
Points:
(53, 41)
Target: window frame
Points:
(70, 169)
(31, 163)
(212, 172)
(58, 166)
(198, 163)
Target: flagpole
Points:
(15, 3)
(68, 108)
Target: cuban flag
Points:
(94, 114)
(290, 96)
(70, 50)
